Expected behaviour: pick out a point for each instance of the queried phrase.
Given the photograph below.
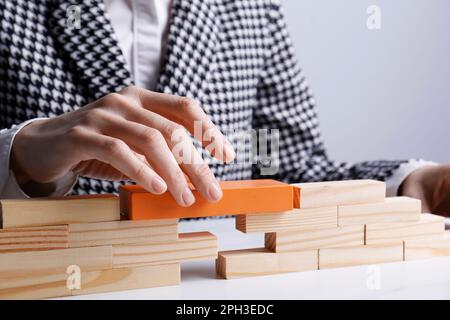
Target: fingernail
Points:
(229, 152)
(188, 197)
(158, 185)
(215, 192)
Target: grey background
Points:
(382, 94)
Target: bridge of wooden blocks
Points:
(55, 247)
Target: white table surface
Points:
(426, 279)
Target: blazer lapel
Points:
(97, 62)
(92, 51)
(191, 45)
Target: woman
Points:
(235, 58)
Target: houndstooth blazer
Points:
(234, 56)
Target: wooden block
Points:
(334, 193)
(17, 213)
(33, 288)
(294, 240)
(189, 246)
(297, 195)
(397, 209)
(260, 262)
(18, 264)
(428, 247)
(122, 232)
(109, 280)
(398, 231)
(239, 197)
(43, 274)
(129, 279)
(360, 255)
(33, 238)
(297, 219)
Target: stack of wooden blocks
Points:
(112, 243)
(337, 224)
(45, 242)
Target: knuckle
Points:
(114, 146)
(76, 132)
(86, 120)
(91, 117)
(111, 98)
(176, 176)
(188, 104)
(172, 128)
(131, 87)
(152, 136)
(134, 92)
(95, 114)
(202, 170)
(115, 99)
(141, 170)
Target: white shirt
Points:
(141, 28)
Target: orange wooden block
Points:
(239, 197)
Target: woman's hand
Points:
(431, 184)
(131, 134)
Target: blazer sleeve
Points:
(285, 102)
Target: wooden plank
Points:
(360, 255)
(16, 213)
(189, 246)
(24, 247)
(294, 240)
(33, 238)
(396, 209)
(334, 193)
(53, 286)
(239, 197)
(390, 232)
(297, 195)
(129, 279)
(297, 219)
(43, 274)
(37, 287)
(122, 232)
(260, 262)
(428, 247)
(14, 266)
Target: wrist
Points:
(19, 174)
(19, 145)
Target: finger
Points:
(178, 142)
(151, 143)
(117, 154)
(98, 170)
(195, 167)
(188, 113)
